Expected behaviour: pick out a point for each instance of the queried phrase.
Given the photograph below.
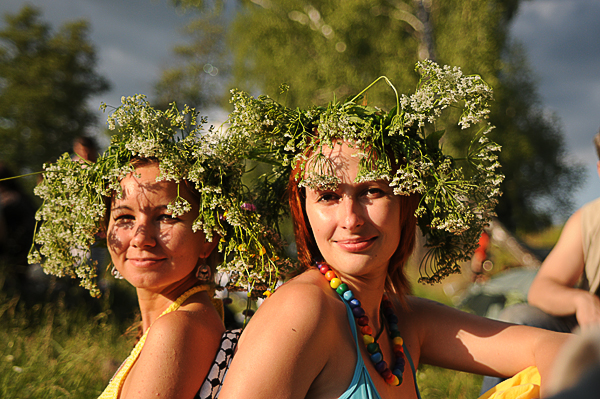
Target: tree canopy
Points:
(334, 48)
(46, 79)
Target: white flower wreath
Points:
(458, 195)
(75, 197)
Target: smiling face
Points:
(149, 247)
(357, 226)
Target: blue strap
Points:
(412, 367)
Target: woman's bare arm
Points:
(466, 342)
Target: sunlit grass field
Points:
(51, 351)
(65, 348)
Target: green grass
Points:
(54, 350)
(438, 383)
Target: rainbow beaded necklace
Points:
(393, 376)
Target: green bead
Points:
(395, 334)
(373, 348)
(342, 288)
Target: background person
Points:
(85, 149)
(17, 224)
(567, 285)
(565, 291)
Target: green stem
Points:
(28, 174)
(372, 84)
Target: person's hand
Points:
(587, 309)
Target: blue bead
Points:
(382, 365)
(400, 362)
(348, 295)
(393, 327)
(358, 312)
(392, 319)
(376, 357)
(397, 373)
(354, 303)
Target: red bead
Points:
(362, 321)
(330, 275)
(386, 373)
(323, 268)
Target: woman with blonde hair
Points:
(168, 200)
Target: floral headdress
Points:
(457, 195)
(75, 196)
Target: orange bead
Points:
(366, 330)
(393, 380)
(330, 275)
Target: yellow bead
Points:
(335, 282)
(398, 341)
(367, 339)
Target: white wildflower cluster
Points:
(442, 87)
(75, 195)
(457, 195)
(67, 221)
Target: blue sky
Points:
(134, 39)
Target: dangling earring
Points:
(115, 273)
(203, 273)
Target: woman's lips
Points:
(355, 245)
(145, 262)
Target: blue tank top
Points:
(362, 386)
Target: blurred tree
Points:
(327, 48)
(45, 82)
(199, 70)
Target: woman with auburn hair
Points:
(168, 200)
(362, 180)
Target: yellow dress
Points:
(524, 385)
(113, 390)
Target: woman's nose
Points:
(351, 213)
(143, 235)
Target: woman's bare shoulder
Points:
(302, 299)
(195, 330)
(295, 323)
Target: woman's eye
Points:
(123, 219)
(327, 197)
(375, 191)
(167, 217)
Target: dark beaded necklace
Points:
(393, 376)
